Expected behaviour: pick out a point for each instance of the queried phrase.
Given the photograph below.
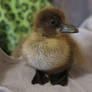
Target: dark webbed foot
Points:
(59, 78)
(40, 78)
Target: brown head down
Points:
(51, 23)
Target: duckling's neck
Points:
(46, 33)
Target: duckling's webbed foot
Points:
(40, 78)
(59, 78)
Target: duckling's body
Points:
(50, 49)
(47, 54)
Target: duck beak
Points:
(67, 28)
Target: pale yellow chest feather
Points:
(46, 54)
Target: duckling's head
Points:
(51, 22)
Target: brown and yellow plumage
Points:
(50, 47)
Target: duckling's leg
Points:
(40, 78)
(59, 78)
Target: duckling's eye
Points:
(52, 21)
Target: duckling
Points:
(50, 49)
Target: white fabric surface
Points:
(3, 89)
(17, 77)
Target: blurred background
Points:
(16, 17)
(75, 10)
